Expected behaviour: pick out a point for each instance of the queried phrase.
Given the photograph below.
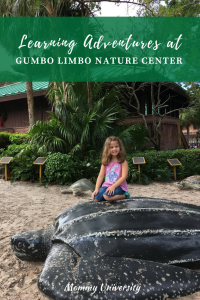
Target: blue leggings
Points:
(102, 191)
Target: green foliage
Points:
(133, 136)
(7, 138)
(22, 167)
(183, 8)
(65, 168)
(68, 168)
(171, 8)
(61, 168)
(192, 115)
(74, 127)
(157, 167)
(144, 179)
(91, 165)
(18, 138)
(12, 150)
(51, 134)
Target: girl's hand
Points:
(110, 190)
(95, 193)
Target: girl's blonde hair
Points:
(106, 156)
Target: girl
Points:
(115, 170)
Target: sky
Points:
(119, 10)
(113, 10)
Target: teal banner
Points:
(100, 49)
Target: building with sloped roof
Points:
(13, 102)
(173, 97)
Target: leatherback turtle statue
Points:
(192, 182)
(82, 186)
(118, 250)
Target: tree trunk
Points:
(85, 13)
(158, 140)
(55, 91)
(89, 94)
(64, 91)
(30, 102)
(56, 97)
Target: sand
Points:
(25, 206)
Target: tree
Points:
(37, 8)
(171, 8)
(160, 106)
(179, 8)
(191, 115)
(75, 8)
(193, 91)
(54, 8)
(186, 119)
(76, 127)
(18, 8)
(41, 8)
(30, 102)
(66, 8)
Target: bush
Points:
(4, 139)
(7, 138)
(62, 168)
(66, 168)
(157, 167)
(12, 150)
(21, 166)
(59, 168)
(18, 138)
(91, 165)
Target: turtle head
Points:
(29, 245)
(76, 191)
(179, 184)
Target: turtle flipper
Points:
(67, 276)
(66, 191)
(59, 269)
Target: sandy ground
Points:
(27, 206)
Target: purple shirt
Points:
(113, 172)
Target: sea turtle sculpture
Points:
(79, 187)
(192, 182)
(117, 250)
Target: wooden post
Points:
(174, 172)
(138, 161)
(40, 173)
(5, 160)
(40, 161)
(139, 171)
(6, 172)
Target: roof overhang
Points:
(18, 90)
(21, 96)
(177, 88)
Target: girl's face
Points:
(114, 148)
